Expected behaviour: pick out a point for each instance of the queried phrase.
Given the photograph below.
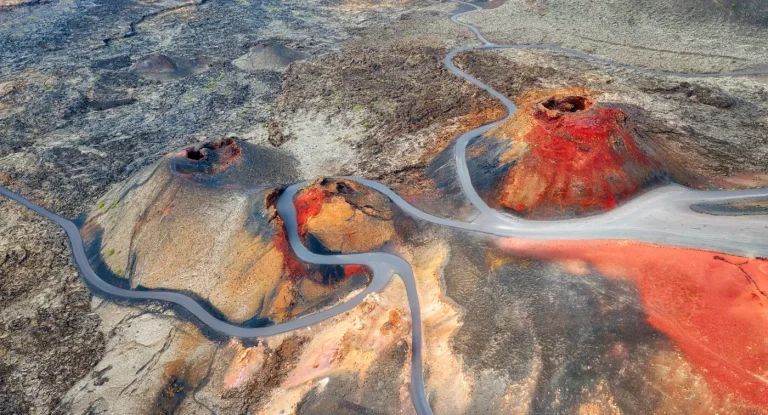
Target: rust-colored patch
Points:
(275, 368)
(5, 179)
(351, 270)
(167, 211)
(294, 268)
(714, 306)
(393, 321)
(232, 249)
(308, 204)
(571, 156)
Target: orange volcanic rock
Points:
(344, 216)
(714, 306)
(566, 154)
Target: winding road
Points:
(660, 216)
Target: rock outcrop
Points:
(344, 216)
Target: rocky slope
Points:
(562, 154)
(203, 221)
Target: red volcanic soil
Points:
(295, 268)
(308, 204)
(570, 156)
(714, 306)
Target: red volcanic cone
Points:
(570, 156)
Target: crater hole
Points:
(567, 104)
(195, 154)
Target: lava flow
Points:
(714, 306)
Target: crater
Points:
(566, 104)
(195, 154)
(208, 158)
(562, 155)
(214, 236)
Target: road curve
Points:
(660, 216)
(383, 266)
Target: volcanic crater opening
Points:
(195, 154)
(573, 103)
(226, 149)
